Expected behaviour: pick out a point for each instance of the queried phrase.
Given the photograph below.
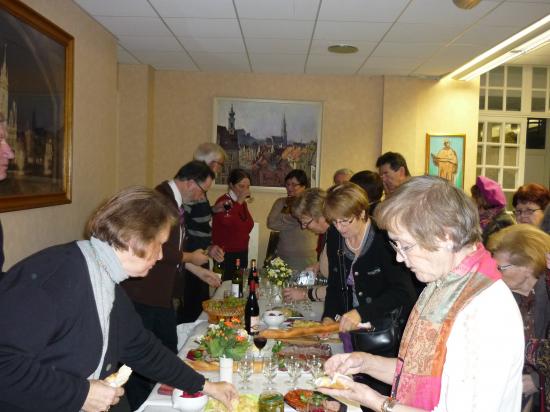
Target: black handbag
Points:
(382, 339)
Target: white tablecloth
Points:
(162, 403)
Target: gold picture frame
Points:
(445, 157)
(36, 91)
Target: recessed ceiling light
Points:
(343, 49)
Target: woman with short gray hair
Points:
(452, 355)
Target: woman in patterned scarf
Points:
(462, 349)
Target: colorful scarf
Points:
(417, 379)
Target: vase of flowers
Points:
(277, 273)
(227, 338)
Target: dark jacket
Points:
(50, 340)
(381, 285)
(156, 289)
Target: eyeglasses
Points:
(526, 212)
(399, 249)
(306, 224)
(200, 187)
(504, 267)
(343, 222)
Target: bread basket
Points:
(223, 309)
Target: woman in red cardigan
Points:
(232, 222)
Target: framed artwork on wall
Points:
(445, 157)
(36, 98)
(268, 138)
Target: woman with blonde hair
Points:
(520, 252)
(458, 352)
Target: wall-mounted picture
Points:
(36, 77)
(268, 138)
(445, 157)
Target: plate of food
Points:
(289, 313)
(246, 403)
(300, 399)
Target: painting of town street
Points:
(268, 138)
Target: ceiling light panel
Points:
(211, 9)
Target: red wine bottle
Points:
(237, 280)
(252, 311)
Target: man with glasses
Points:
(152, 295)
(6, 154)
(198, 218)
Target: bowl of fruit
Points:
(188, 402)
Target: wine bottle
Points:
(253, 274)
(252, 311)
(237, 280)
(217, 269)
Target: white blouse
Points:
(485, 353)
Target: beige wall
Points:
(414, 107)
(94, 137)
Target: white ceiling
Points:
(394, 37)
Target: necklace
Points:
(355, 249)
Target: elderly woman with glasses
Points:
(520, 252)
(529, 202)
(296, 247)
(308, 209)
(365, 281)
(462, 349)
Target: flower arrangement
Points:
(227, 339)
(277, 271)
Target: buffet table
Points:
(162, 403)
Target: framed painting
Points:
(268, 138)
(445, 157)
(36, 98)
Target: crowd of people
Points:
(466, 281)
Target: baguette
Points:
(120, 377)
(298, 332)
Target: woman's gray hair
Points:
(209, 152)
(430, 209)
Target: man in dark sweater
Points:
(152, 295)
(6, 154)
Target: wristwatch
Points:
(388, 405)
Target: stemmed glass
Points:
(270, 368)
(315, 366)
(246, 365)
(294, 370)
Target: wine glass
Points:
(246, 365)
(315, 368)
(294, 372)
(259, 342)
(227, 205)
(270, 368)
